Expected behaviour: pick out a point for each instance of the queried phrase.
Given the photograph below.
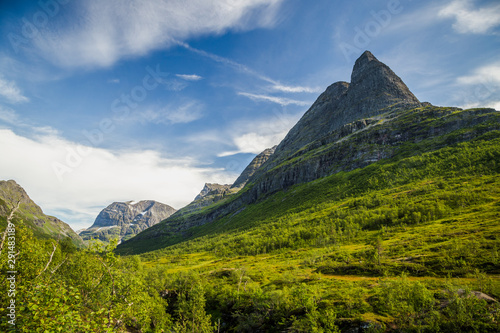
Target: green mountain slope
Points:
(388, 141)
(350, 126)
(406, 244)
(44, 226)
(376, 213)
(373, 215)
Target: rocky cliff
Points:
(350, 126)
(250, 170)
(213, 190)
(123, 220)
(374, 89)
(212, 193)
(12, 195)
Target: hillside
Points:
(12, 195)
(464, 133)
(123, 220)
(387, 124)
(382, 217)
(212, 193)
(377, 214)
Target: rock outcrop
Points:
(350, 126)
(374, 89)
(213, 190)
(123, 220)
(256, 163)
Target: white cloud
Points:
(487, 74)
(74, 182)
(296, 89)
(488, 104)
(279, 100)
(114, 81)
(171, 114)
(257, 135)
(9, 116)
(189, 77)
(481, 88)
(254, 143)
(471, 20)
(10, 91)
(110, 30)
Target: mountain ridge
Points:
(349, 126)
(125, 219)
(12, 194)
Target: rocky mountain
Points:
(213, 189)
(374, 89)
(212, 193)
(253, 167)
(123, 220)
(14, 197)
(372, 119)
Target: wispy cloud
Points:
(10, 91)
(480, 88)
(114, 81)
(11, 117)
(170, 114)
(469, 19)
(296, 89)
(111, 30)
(256, 135)
(487, 74)
(8, 116)
(274, 99)
(227, 62)
(275, 85)
(189, 77)
(93, 177)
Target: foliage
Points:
(405, 244)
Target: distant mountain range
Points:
(124, 220)
(14, 197)
(350, 126)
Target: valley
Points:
(376, 213)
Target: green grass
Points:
(393, 245)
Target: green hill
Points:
(13, 197)
(376, 213)
(409, 243)
(421, 157)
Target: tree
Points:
(378, 248)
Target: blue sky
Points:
(104, 101)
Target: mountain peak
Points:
(212, 188)
(370, 75)
(366, 62)
(12, 194)
(374, 89)
(123, 220)
(366, 57)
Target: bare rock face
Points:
(126, 219)
(256, 163)
(374, 89)
(213, 189)
(350, 126)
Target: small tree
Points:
(378, 249)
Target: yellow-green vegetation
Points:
(407, 244)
